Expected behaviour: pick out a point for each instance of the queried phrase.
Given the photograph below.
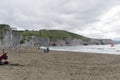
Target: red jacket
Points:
(3, 56)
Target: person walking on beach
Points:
(46, 50)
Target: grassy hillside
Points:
(52, 34)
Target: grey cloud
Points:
(71, 15)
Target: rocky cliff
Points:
(74, 42)
(9, 38)
(12, 38)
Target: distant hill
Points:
(53, 34)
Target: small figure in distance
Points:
(46, 50)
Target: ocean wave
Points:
(91, 48)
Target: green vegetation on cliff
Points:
(53, 34)
(3, 29)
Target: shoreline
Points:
(79, 52)
(103, 49)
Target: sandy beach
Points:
(33, 64)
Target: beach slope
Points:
(33, 64)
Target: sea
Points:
(103, 49)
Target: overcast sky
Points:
(91, 18)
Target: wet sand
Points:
(33, 64)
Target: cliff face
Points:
(98, 41)
(74, 42)
(35, 41)
(11, 38)
(66, 42)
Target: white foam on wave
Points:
(91, 48)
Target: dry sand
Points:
(33, 64)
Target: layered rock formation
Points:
(11, 38)
(74, 42)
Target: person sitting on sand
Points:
(4, 56)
